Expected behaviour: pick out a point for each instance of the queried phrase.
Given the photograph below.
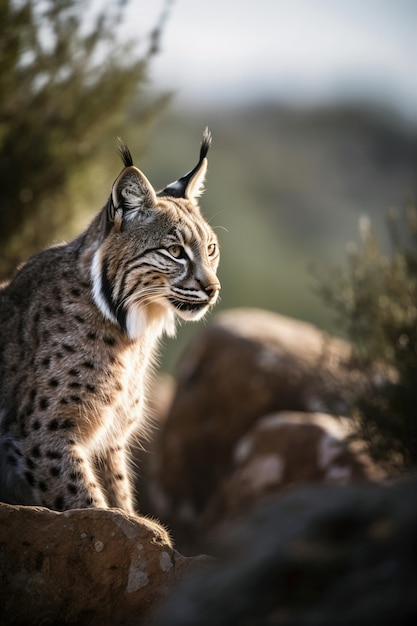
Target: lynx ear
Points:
(191, 185)
(131, 192)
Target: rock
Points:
(287, 449)
(324, 555)
(82, 567)
(247, 364)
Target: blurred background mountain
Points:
(310, 106)
(286, 190)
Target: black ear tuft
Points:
(125, 153)
(205, 144)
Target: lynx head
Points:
(157, 257)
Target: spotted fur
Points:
(79, 324)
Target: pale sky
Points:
(217, 51)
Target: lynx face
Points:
(160, 256)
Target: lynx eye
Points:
(211, 249)
(176, 251)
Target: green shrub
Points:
(65, 86)
(375, 298)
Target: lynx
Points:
(79, 325)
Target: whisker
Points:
(214, 215)
(143, 293)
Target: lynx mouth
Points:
(189, 311)
(183, 306)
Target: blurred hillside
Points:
(285, 192)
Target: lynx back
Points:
(79, 324)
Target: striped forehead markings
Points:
(193, 230)
(189, 224)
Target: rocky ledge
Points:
(83, 567)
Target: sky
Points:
(226, 51)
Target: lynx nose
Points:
(212, 290)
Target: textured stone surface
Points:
(329, 555)
(247, 364)
(283, 450)
(83, 567)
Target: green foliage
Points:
(375, 298)
(65, 84)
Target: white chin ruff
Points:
(192, 316)
(141, 320)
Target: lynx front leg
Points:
(115, 477)
(63, 478)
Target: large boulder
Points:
(323, 555)
(82, 567)
(284, 450)
(247, 364)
